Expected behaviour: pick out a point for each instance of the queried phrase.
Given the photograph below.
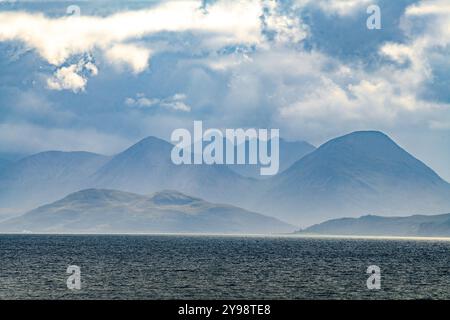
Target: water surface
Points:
(221, 267)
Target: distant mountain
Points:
(111, 211)
(362, 172)
(359, 173)
(46, 176)
(147, 167)
(144, 167)
(414, 226)
(290, 152)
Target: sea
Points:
(222, 267)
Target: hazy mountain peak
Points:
(363, 141)
(366, 150)
(149, 143)
(367, 133)
(364, 171)
(145, 150)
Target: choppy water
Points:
(201, 267)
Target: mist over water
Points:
(214, 267)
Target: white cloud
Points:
(141, 101)
(287, 28)
(91, 68)
(120, 36)
(175, 102)
(425, 45)
(129, 55)
(56, 39)
(67, 78)
(430, 7)
(72, 77)
(398, 52)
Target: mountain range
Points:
(112, 211)
(411, 226)
(361, 173)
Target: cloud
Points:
(175, 102)
(56, 39)
(436, 18)
(283, 27)
(123, 37)
(431, 7)
(72, 77)
(397, 52)
(67, 78)
(425, 47)
(129, 55)
(141, 101)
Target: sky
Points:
(100, 75)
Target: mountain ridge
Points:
(372, 225)
(113, 211)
